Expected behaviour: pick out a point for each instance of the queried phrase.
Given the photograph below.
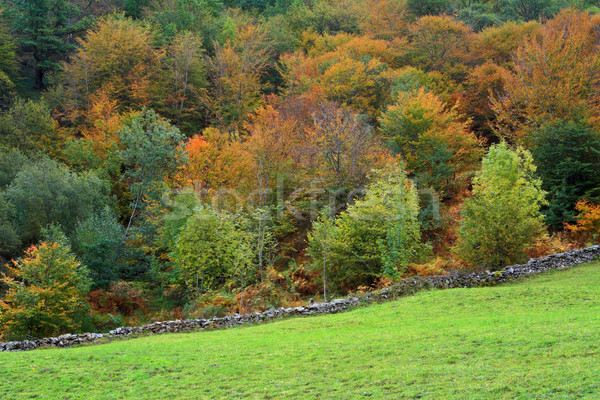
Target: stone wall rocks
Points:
(407, 287)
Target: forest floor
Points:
(537, 337)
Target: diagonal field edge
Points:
(407, 287)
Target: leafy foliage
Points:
(27, 125)
(116, 59)
(555, 76)
(46, 293)
(8, 64)
(502, 219)
(152, 153)
(434, 141)
(588, 221)
(46, 192)
(209, 249)
(99, 243)
(377, 235)
(567, 155)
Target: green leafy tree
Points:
(567, 155)
(197, 16)
(204, 251)
(376, 236)
(322, 237)
(502, 219)
(11, 162)
(9, 238)
(28, 125)
(99, 242)
(47, 192)
(46, 293)
(243, 268)
(134, 8)
(152, 153)
(420, 8)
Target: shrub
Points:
(120, 298)
(46, 293)
(546, 245)
(588, 222)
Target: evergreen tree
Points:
(44, 30)
(567, 155)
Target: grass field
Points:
(537, 338)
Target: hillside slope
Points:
(538, 337)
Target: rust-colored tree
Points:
(587, 226)
(216, 162)
(556, 76)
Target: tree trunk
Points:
(39, 79)
(241, 297)
(324, 276)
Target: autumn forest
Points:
(168, 159)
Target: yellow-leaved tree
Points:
(46, 293)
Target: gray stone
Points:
(407, 287)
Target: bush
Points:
(46, 294)
(121, 298)
(588, 222)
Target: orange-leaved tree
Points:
(588, 221)
(216, 162)
(341, 147)
(555, 76)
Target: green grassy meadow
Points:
(535, 338)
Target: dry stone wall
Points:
(408, 286)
